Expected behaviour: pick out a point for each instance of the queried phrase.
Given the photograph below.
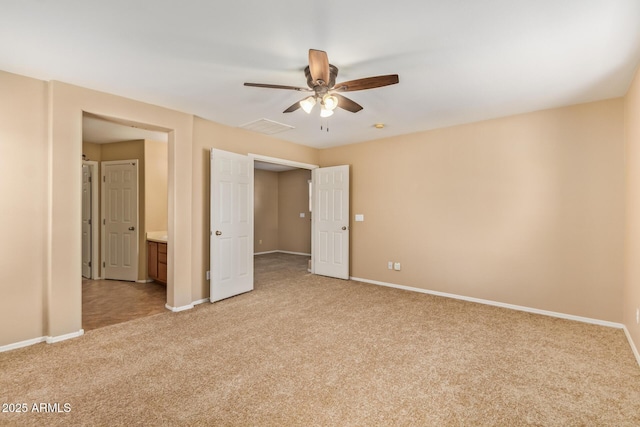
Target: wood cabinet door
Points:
(152, 259)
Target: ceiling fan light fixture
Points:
(325, 112)
(307, 104)
(330, 102)
(321, 80)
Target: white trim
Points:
(95, 218)
(294, 253)
(281, 252)
(178, 309)
(632, 344)
(265, 253)
(200, 301)
(48, 340)
(144, 281)
(497, 304)
(21, 344)
(51, 340)
(283, 162)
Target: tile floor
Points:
(107, 302)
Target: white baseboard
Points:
(264, 253)
(632, 344)
(48, 340)
(21, 344)
(294, 253)
(177, 309)
(186, 307)
(51, 340)
(496, 304)
(281, 252)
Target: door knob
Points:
(218, 233)
(344, 227)
(131, 228)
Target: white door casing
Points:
(331, 221)
(120, 219)
(86, 221)
(95, 218)
(231, 241)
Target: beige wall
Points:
(23, 220)
(265, 211)
(525, 210)
(632, 265)
(156, 163)
(92, 151)
(124, 150)
(294, 233)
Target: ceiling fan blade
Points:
(347, 104)
(270, 86)
(293, 108)
(367, 83)
(319, 65)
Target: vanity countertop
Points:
(157, 236)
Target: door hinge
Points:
(89, 179)
(89, 263)
(104, 178)
(89, 222)
(103, 264)
(104, 221)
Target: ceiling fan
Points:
(321, 79)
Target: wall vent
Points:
(266, 126)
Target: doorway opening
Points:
(109, 144)
(232, 221)
(282, 209)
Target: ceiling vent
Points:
(266, 126)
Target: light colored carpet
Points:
(309, 350)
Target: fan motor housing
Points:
(333, 73)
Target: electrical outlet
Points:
(208, 275)
(638, 316)
(396, 266)
(390, 265)
(259, 242)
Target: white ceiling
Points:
(100, 131)
(459, 61)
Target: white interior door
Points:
(120, 219)
(331, 221)
(86, 221)
(231, 224)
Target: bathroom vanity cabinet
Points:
(157, 261)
